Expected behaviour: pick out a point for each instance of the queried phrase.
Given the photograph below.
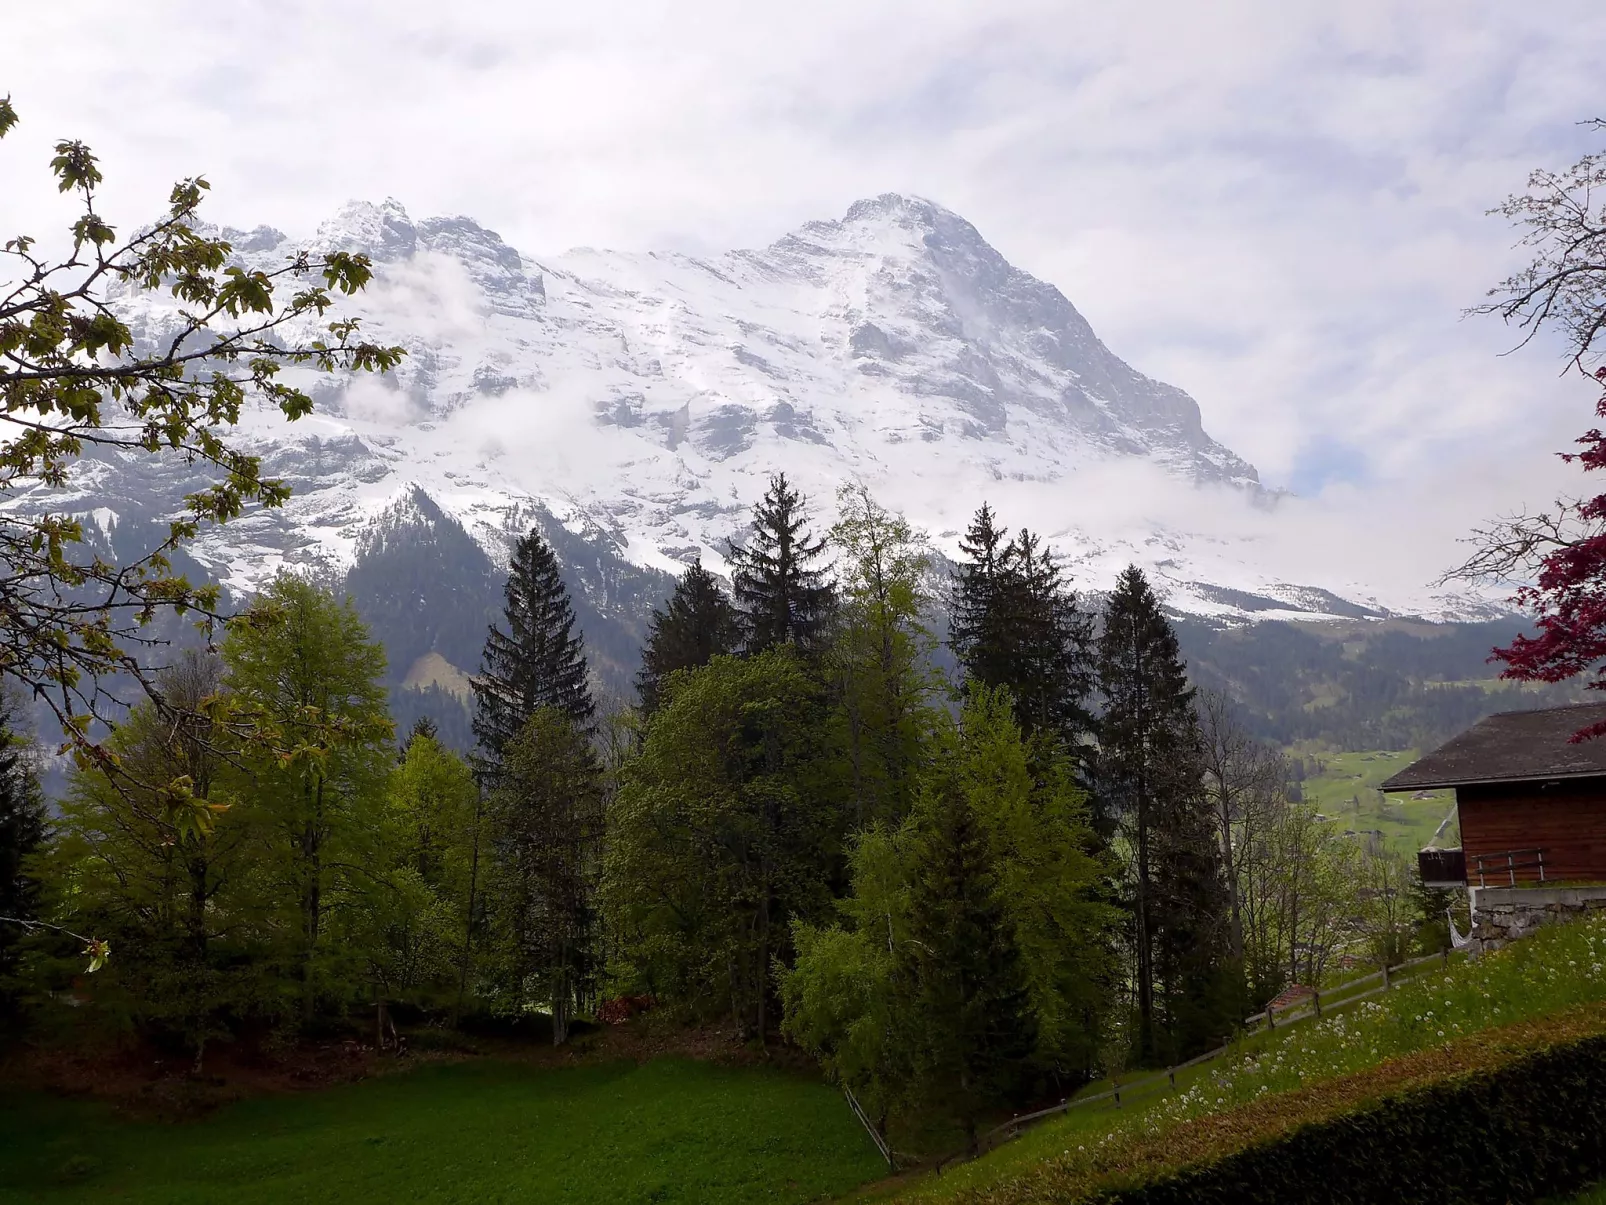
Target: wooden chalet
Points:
(1531, 804)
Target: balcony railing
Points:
(1442, 867)
(1506, 864)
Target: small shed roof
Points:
(1513, 746)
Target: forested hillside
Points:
(424, 585)
(1360, 685)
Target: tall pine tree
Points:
(1015, 624)
(784, 594)
(538, 662)
(22, 830)
(697, 624)
(545, 823)
(977, 1032)
(1151, 772)
(977, 627)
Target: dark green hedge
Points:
(1530, 1129)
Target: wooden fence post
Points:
(1385, 975)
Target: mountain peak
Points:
(383, 231)
(897, 207)
(643, 399)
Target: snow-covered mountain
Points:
(639, 402)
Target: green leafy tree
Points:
(545, 822)
(179, 907)
(301, 665)
(972, 962)
(423, 910)
(880, 658)
(727, 827)
(1151, 771)
(697, 624)
(784, 594)
(74, 382)
(538, 662)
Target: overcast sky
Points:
(1279, 206)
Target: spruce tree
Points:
(697, 624)
(977, 628)
(545, 825)
(1015, 624)
(22, 830)
(784, 596)
(538, 662)
(1151, 772)
(977, 1033)
(1054, 658)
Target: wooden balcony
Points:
(1442, 867)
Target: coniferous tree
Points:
(1015, 624)
(22, 830)
(977, 1031)
(1151, 772)
(538, 662)
(977, 626)
(727, 828)
(696, 624)
(545, 825)
(785, 597)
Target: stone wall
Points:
(1502, 914)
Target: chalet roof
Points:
(1513, 746)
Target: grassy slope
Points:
(1559, 973)
(671, 1130)
(1405, 822)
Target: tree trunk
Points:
(311, 896)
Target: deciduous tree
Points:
(879, 661)
(1557, 558)
(728, 826)
(74, 382)
(302, 666)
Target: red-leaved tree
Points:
(1557, 558)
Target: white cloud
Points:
(1278, 207)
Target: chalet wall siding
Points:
(1566, 819)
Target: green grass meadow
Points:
(671, 1130)
(1346, 793)
(1557, 969)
